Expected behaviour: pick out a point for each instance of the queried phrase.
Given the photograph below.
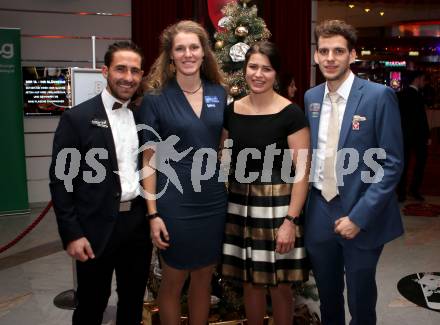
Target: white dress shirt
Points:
(343, 91)
(126, 142)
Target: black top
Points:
(260, 131)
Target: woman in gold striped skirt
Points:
(263, 246)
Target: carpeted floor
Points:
(421, 209)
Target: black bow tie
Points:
(118, 105)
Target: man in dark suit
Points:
(96, 193)
(358, 157)
(415, 129)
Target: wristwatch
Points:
(153, 215)
(294, 220)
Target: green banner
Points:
(13, 189)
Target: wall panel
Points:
(55, 17)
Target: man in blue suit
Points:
(358, 157)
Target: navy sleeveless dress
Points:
(194, 215)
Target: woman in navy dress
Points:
(182, 113)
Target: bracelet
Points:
(293, 220)
(153, 215)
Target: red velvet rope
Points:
(28, 229)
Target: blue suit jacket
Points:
(372, 206)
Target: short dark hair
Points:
(268, 49)
(413, 75)
(121, 46)
(329, 28)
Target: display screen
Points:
(46, 90)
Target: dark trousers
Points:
(332, 257)
(128, 253)
(419, 150)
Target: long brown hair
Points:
(161, 71)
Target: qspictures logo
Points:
(205, 162)
(7, 50)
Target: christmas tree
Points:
(240, 28)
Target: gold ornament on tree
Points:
(234, 91)
(219, 44)
(241, 31)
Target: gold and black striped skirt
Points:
(255, 212)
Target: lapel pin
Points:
(314, 109)
(356, 122)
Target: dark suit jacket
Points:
(415, 125)
(91, 209)
(372, 206)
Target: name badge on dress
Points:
(211, 101)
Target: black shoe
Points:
(417, 196)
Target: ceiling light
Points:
(382, 13)
(367, 9)
(351, 6)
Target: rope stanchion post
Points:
(67, 299)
